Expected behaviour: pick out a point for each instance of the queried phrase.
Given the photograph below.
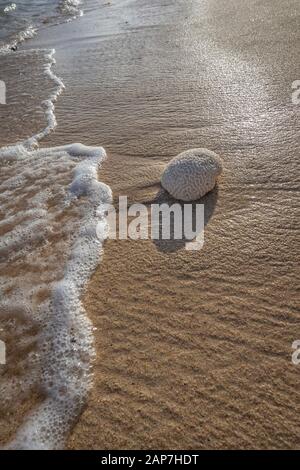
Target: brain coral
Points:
(191, 174)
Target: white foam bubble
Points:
(65, 342)
(20, 37)
(71, 7)
(10, 7)
(49, 103)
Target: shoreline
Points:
(193, 350)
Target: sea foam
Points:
(49, 103)
(65, 342)
(71, 7)
(51, 203)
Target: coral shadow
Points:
(162, 197)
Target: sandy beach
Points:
(193, 349)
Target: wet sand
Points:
(193, 349)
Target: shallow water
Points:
(21, 19)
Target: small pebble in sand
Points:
(192, 174)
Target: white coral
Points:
(192, 174)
